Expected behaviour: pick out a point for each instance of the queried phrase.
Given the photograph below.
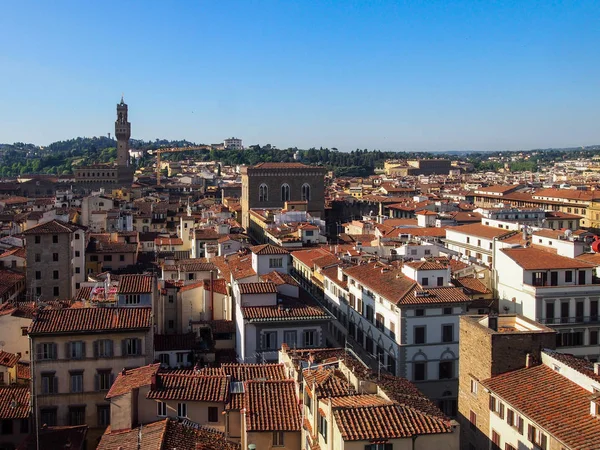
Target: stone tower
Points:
(123, 133)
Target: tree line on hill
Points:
(60, 158)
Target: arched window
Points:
(285, 192)
(306, 192)
(263, 193)
(419, 367)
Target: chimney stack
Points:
(597, 368)
(529, 360)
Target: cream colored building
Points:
(77, 354)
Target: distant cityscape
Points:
(174, 295)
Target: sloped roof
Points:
(52, 227)
(268, 249)
(14, 402)
(132, 379)
(272, 406)
(554, 402)
(90, 320)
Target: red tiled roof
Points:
(189, 287)
(190, 436)
(579, 364)
(267, 287)
(18, 410)
(480, 230)
(327, 382)
(384, 280)
(247, 372)
(386, 422)
(279, 278)
(168, 241)
(219, 286)
(307, 257)
(132, 379)
(426, 265)
(531, 258)
(8, 359)
(472, 285)
(90, 320)
(434, 295)
(23, 371)
(289, 309)
(356, 401)
(272, 406)
(189, 387)
(558, 405)
(136, 284)
(567, 194)
(52, 227)
(152, 437)
(268, 249)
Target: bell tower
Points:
(123, 133)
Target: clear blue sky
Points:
(393, 75)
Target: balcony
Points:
(581, 320)
(567, 290)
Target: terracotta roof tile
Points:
(356, 401)
(52, 227)
(530, 258)
(552, 401)
(386, 422)
(248, 372)
(289, 309)
(152, 438)
(384, 280)
(279, 278)
(90, 320)
(190, 387)
(191, 436)
(20, 408)
(307, 257)
(272, 406)
(219, 286)
(8, 359)
(480, 230)
(327, 382)
(472, 285)
(23, 371)
(268, 249)
(579, 364)
(267, 287)
(422, 296)
(136, 284)
(426, 265)
(132, 379)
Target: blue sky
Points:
(393, 75)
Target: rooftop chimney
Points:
(597, 368)
(529, 360)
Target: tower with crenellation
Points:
(122, 133)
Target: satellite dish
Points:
(568, 233)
